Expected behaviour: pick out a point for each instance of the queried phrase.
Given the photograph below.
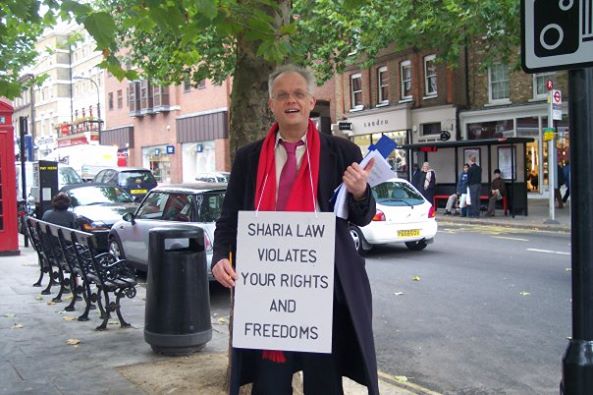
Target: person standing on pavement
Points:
(498, 189)
(323, 162)
(474, 183)
(59, 214)
(425, 180)
(566, 172)
(559, 182)
(460, 194)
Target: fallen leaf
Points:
(17, 326)
(50, 302)
(72, 342)
(39, 297)
(222, 321)
(9, 315)
(113, 322)
(69, 318)
(401, 379)
(416, 278)
(398, 293)
(524, 293)
(568, 269)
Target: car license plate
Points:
(408, 233)
(138, 191)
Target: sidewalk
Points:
(36, 358)
(538, 218)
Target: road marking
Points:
(509, 238)
(414, 388)
(548, 251)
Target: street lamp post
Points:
(98, 97)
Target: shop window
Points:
(489, 130)
(382, 86)
(356, 91)
(430, 128)
(405, 69)
(498, 83)
(430, 76)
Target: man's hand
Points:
(224, 273)
(355, 179)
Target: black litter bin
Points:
(177, 318)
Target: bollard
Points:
(177, 315)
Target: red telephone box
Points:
(9, 242)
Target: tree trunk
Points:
(250, 117)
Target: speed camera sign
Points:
(556, 34)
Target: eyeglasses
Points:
(283, 96)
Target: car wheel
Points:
(416, 245)
(358, 239)
(115, 248)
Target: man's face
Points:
(291, 102)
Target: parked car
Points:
(98, 207)
(403, 216)
(136, 180)
(167, 205)
(221, 176)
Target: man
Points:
(474, 182)
(460, 193)
(257, 183)
(497, 191)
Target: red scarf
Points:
(302, 194)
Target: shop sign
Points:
(382, 122)
(157, 151)
(170, 149)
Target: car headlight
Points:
(94, 226)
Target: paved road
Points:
(488, 314)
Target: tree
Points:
(170, 41)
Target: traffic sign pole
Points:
(577, 364)
(551, 164)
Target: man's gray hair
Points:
(291, 68)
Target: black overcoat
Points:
(356, 355)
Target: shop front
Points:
(369, 126)
(522, 121)
(158, 160)
(123, 138)
(203, 139)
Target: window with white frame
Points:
(498, 83)
(382, 86)
(405, 69)
(540, 91)
(356, 91)
(430, 76)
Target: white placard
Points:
(284, 290)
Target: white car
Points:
(403, 216)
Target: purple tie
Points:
(288, 174)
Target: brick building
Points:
(408, 96)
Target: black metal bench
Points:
(67, 254)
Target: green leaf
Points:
(102, 27)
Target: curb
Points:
(559, 228)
